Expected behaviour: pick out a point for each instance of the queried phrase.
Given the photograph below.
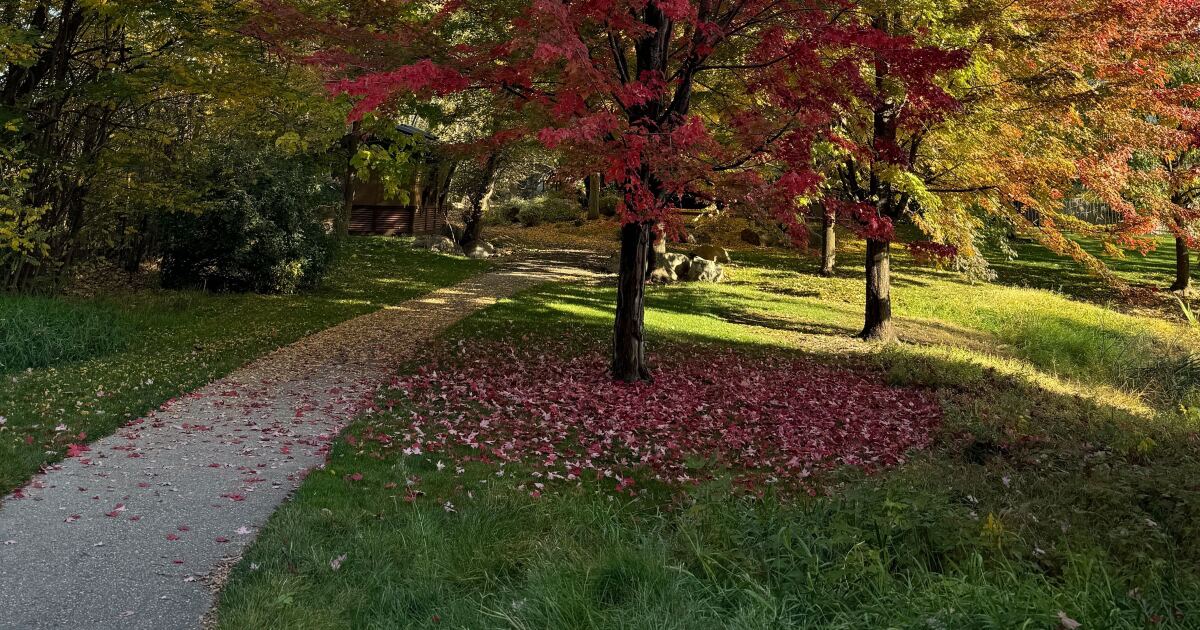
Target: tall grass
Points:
(41, 332)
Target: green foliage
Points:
(22, 238)
(608, 204)
(153, 91)
(39, 332)
(1188, 313)
(259, 228)
(552, 207)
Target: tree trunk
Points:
(879, 325)
(341, 224)
(1183, 266)
(593, 196)
(629, 344)
(479, 198)
(828, 244)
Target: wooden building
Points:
(420, 210)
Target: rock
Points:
(482, 249)
(713, 253)
(662, 275)
(678, 264)
(689, 238)
(613, 264)
(479, 252)
(660, 248)
(704, 270)
(443, 244)
(751, 237)
(435, 243)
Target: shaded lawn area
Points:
(1058, 487)
(1039, 268)
(77, 370)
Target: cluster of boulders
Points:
(704, 264)
(446, 245)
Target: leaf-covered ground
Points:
(1057, 487)
(764, 419)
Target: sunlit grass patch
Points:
(1059, 486)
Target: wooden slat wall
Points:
(362, 221)
(384, 220)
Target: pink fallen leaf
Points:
(336, 563)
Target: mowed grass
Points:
(88, 367)
(1062, 486)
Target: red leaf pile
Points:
(767, 418)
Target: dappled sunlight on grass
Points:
(986, 365)
(1060, 478)
(1062, 346)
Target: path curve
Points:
(134, 532)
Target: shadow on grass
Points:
(1039, 268)
(1040, 495)
(1076, 364)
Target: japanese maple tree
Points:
(1062, 101)
(875, 177)
(667, 98)
(1052, 104)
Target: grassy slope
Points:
(1064, 480)
(174, 342)
(1037, 267)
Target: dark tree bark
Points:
(828, 244)
(637, 239)
(593, 196)
(1183, 266)
(879, 326)
(479, 197)
(341, 224)
(629, 344)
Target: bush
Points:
(40, 332)
(506, 211)
(545, 208)
(608, 204)
(548, 208)
(260, 228)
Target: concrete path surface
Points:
(139, 531)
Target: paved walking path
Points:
(138, 531)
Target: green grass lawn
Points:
(1037, 267)
(1061, 486)
(71, 367)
